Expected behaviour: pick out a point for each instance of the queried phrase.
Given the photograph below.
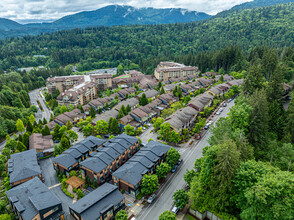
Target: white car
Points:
(175, 209)
(218, 113)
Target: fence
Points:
(204, 215)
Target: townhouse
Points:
(99, 103)
(219, 89)
(43, 144)
(129, 176)
(72, 157)
(108, 158)
(73, 117)
(167, 70)
(168, 98)
(127, 91)
(113, 113)
(200, 101)
(148, 82)
(182, 119)
(33, 200)
(102, 203)
(150, 94)
(226, 78)
(132, 102)
(23, 167)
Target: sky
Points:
(27, 11)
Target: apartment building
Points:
(64, 83)
(167, 70)
(78, 95)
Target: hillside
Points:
(146, 45)
(260, 3)
(106, 16)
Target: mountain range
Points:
(119, 15)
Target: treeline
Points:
(147, 45)
(247, 171)
(14, 98)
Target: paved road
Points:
(34, 96)
(53, 184)
(176, 180)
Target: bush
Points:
(139, 196)
(122, 191)
(80, 194)
(67, 192)
(74, 190)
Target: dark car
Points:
(206, 127)
(225, 105)
(174, 169)
(106, 136)
(180, 161)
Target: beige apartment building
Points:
(167, 70)
(64, 83)
(79, 95)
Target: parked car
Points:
(221, 109)
(175, 209)
(206, 127)
(106, 136)
(174, 169)
(229, 100)
(198, 137)
(151, 198)
(186, 187)
(225, 105)
(180, 161)
(218, 113)
(210, 122)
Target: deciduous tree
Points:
(149, 184)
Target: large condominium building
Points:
(64, 83)
(167, 70)
(78, 95)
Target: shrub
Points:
(80, 194)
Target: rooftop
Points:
(38, 141)
(93, 205)
(32, 197)
(23, 165)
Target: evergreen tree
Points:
(46, 131)
(115, 126)
(30, 127)
(254, 80)
(121, 114)
(45, 121)
(143, 100)
(19, 125)
(128, 108)
(123, 109)
(92, 112)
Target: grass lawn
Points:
(189, 217)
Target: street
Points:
(34, 96)
(176, 181)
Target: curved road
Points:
(34, 96)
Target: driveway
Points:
(176, 181)
(53, 184)
(146, 135)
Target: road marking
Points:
(51, 187)
(138, 204)
(132, 211)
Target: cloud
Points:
(42, 10)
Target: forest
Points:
(247, 170)
(102, 47)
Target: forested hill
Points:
(260, 3)
(106, 16)
(146, 45)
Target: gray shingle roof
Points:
(23, 165)
(31, 197)
(132, 172)
(65, 160)
(95, 164)
(93, 205)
